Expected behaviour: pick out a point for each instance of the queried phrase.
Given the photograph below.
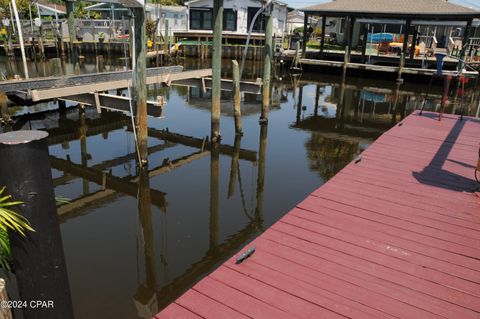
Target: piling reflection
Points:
(145, 297)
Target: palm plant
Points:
(9, 220)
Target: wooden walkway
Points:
(396, 234)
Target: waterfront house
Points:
(436, 24)
(237, 19)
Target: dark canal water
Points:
(134, 243)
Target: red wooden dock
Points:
(394, 235)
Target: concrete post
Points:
(38, 259)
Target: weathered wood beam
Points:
(79, 80)
(113, 102)
(120, 82)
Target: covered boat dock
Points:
(440, 26)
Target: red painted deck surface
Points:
(395, 235)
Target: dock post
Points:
(322, 39)
(72, 32)
(400, 68)
(267, 64)
(364, 43)
(466, 38)
(345, 62)
(216, 69)
(167, 50)
(140, 86)
(305, 36)
(236, 98)
(38, 258)
(406, 32)
(413, 45)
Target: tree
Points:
(22, 7)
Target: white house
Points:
(295, 20)
(175, 15)
(237, 17)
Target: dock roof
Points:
(417, 8)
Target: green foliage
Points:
(150, 26)
(81, 13)
(22, 7)
(9, 220)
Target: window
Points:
(229, 20)
(259, 25)
(201, 19)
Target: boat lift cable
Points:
(129, 89)
(250, 30)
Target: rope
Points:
(129, 90)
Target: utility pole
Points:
(139, 84)
(267, 64)
(72, 33)
(216, 68)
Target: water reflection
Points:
(148, 235)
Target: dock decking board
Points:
(394, 235)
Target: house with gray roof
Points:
(440, 20)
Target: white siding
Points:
(241, 7)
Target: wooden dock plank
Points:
(394, 235)
(175, 311)
(206, 307)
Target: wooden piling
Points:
(140, 87)
(216, 69)
(400, 68)
(38, 258)
(346, 60)
(236, 98)
(72, 32)
(267, 67)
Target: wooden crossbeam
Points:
(119, 81)
(78, 80)
(112, 102)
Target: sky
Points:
(305, 3)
